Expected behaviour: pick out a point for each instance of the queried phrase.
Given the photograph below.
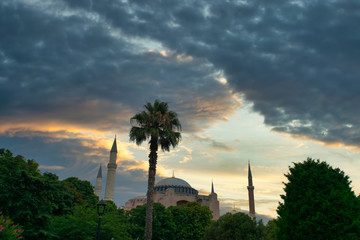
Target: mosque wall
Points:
(169, 195)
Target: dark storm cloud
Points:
(297, 61)
(61, 62)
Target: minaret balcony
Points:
(112, 165)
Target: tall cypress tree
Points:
(318, 204)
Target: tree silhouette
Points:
(318, 204)
(161, 127)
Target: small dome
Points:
(172, 182)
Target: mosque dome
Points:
(179, 185)
(173, 181)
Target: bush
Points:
(8, 230)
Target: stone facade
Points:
(175, 192)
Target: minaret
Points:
(110, 180)
(98, 183)
(213, 203)
(251, 194)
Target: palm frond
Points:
(138, 135)
(156, 122)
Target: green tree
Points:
(163, 226)
(114, 226)
(270, 231)
(238, 226)
(8, 230)
(190, 220)
(161, 127)
(185, 222)
(41, 202)
(82, 224)
(28, 197)
(83, 191)
(318, 204)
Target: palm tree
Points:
(162, 128)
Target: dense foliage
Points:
(83, 191)
(191, 220)
(9, 230)
(270, 230)
(162, 227)
(29, 197)
(48, 208)
(82, 224)
(238, 226)
(318, 204)
(185, 222)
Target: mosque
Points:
(169, 191)
(175, 192)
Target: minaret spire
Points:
(98, 183)
(213, 203)
(114, 146)
(251, 193)
(249, 174)
(99, 172)
(110, 180)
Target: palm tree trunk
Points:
(150, 192)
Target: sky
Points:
(270, 82)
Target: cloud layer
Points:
(91, 64)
